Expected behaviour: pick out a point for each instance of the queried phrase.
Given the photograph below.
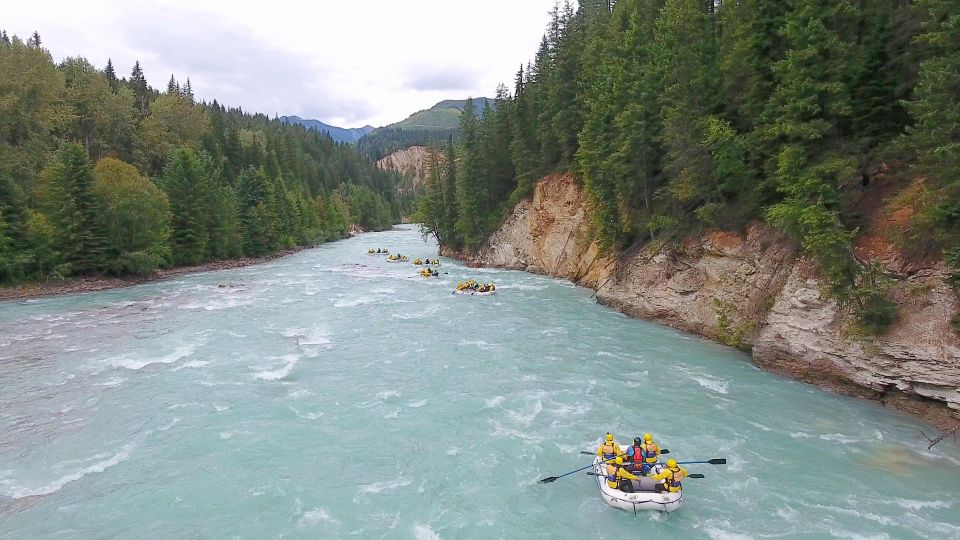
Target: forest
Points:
(106, 175)
(685, 115)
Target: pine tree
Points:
(470, 191)
(141, 89)
(184, 182)
(81, 242)
(111, 76)
(4, 38)
(188, 90)
(452, 211)
(935, 135)
(34, 40)
(173, 88)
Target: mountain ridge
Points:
(339, 134)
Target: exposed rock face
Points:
(412, 162)
(750, 291)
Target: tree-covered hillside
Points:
(682, 115)
(102, 174)
(429, 127)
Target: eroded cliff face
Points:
(412, 162)
(750, 291)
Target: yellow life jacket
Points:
(651, 452)
(673, 482)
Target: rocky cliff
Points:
(751, 291)
(412, 162)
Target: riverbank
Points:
(93, 284)
(752, 291)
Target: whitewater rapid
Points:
(329, 394)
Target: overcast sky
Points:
(345, 62)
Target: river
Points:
(331, 394)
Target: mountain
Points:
(443, 115)
(339, 134)
(429, 127)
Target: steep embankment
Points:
(751, 291)
(410, 162)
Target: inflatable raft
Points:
(471, 292)
(404, 259)
(643, 498)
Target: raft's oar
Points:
(698, 475)
(584, 452)
(714, 461)
(549, 479)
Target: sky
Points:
(345, 62)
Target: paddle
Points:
(698, 475)
(714, 461)
(549, 479)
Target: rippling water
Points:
(331, 394)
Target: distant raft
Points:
(372, 251)
(428, 273)
(643, 498)
(397, 258)
(472, 288)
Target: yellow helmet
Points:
(671, 463)
(609, 438)
(647, 437)
(619, 461)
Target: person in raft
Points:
(671, 477)
(609, 449)
(650, 451)
(618, 477)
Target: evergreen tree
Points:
(81, 240)
(173, 88)
(34, 40)
(141, 90)
(935, 135)
(4, 38)
(111, 76)
(450, 203)
(188, 90)
(470, 191)
(185, 184)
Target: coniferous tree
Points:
(111, 76)
(184, 182)
(173, 88)
(141, 90)
(81, 239)
(34, 40)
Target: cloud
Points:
(345, 63)
(456, 78)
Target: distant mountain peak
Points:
(339, 134)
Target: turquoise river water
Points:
(330, 394)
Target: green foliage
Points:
(134, 213)
(81, 240)
(60, 217)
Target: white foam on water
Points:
(19, 492)
(193, 364)
(226, 435)
(315, 517)
(417, 404)
(454, 451)
(362, 301)
(424, 532)
(220, 408)
(386, 394)
(919, 505)
(308, 415)
(169, 425)
(299, 393)
(495, 401)
(280, 373)
(380, 487)
(528, 413)
(800, 435)
(392, 414)
(714, 385)
(840, 438)
(112, 382)
(135, 364)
